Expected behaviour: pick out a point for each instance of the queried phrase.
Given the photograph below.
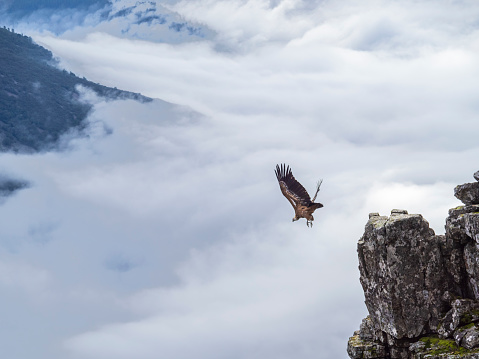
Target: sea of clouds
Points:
(163, 233)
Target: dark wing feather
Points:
(290, 187)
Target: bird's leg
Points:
(318, 185)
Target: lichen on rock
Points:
(402, 286)
(421, 289)
(436, 348)
(463, 312)
(360, 348)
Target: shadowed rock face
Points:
(468, 193)
(402, 286)
(421, 289)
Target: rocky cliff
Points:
(421, 289)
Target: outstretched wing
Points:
(291, 188)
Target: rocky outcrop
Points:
(468, 193)
(421, 289)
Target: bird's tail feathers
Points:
(318, 185)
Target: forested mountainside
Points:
(38, 101)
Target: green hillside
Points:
(39, 102)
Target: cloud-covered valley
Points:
(163, 233)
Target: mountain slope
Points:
(134, 19)
(39, 102)
(153, 21)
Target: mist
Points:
(163, 233)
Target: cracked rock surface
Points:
(421, 289)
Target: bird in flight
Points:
(297, 195)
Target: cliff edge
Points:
(421, 289)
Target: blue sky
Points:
(168, 235)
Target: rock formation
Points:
(421, 289)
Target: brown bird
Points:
(297, 195)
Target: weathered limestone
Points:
(471, 224)
(467, 193)
(365, 349)
(467, 336)
(456, 222)
(471, 259)
(434, 348)
(402, 286)
(421, 289)
(463, 312)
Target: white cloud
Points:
(147, 20)
(168, 227)
(245, 24)
(255, 292)
(348, 94)
(23, 276)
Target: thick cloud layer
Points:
(164, 233)
(141, 20)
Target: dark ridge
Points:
(177, 26)
(123, 12)
(39, 102)
(9, 186)
(150, 19)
